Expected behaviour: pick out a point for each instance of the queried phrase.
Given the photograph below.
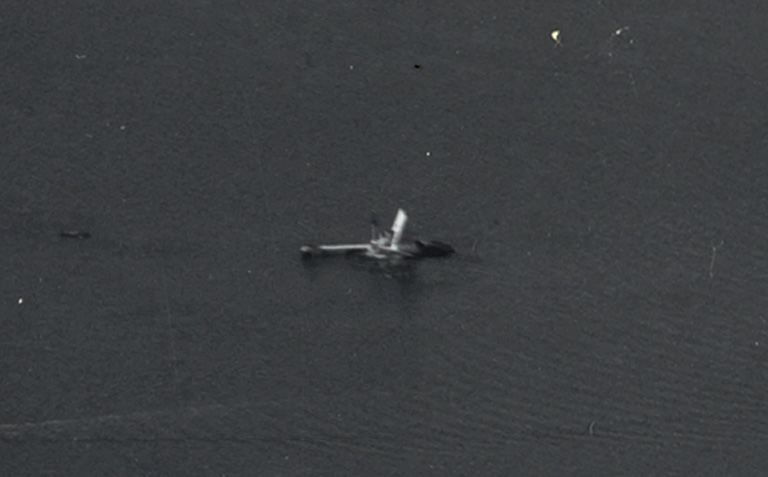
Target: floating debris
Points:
(621, 30)
(556, 36)
(79, 234)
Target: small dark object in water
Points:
(75, 234)
(433, 248)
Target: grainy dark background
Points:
(605, 315)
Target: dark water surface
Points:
(605, 314)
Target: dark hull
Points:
(433, 249)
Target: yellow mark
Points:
(556, 36)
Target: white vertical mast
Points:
(398, 227)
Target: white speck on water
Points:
(621, 30)
(428, 153)
(21, 300)
(351, 67)
(555, 35)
